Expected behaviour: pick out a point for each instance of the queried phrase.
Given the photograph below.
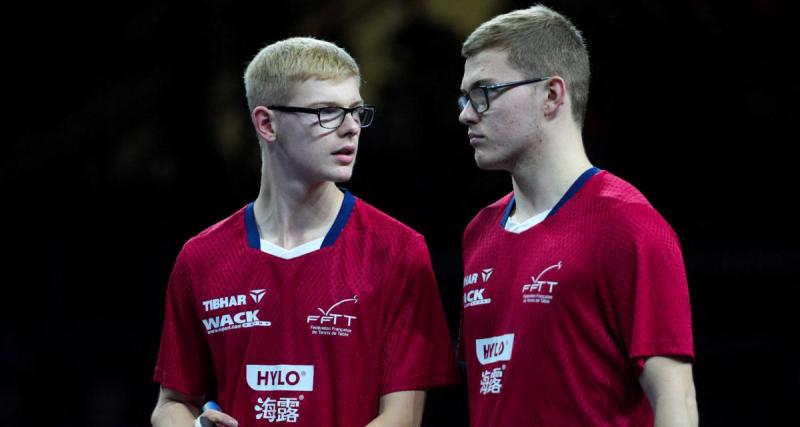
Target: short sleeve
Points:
(184, 358)
(418, 352)
(645, 278)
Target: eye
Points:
(329, 114)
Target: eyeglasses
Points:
(333, 117)
(478, 96)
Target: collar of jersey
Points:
(254, 240)
(574, 188)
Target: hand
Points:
(212, 417)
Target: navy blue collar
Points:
(254, 240)
(574, 188)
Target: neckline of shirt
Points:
(254, 240)
(573, 189)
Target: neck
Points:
(540, 180)
(290, 212)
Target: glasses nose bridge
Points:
(352, 113)
(469, 113)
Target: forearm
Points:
(675, 411)
(400, 409)
(174, 414)
(669, 386)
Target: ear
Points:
(264, 122)
(556, 96)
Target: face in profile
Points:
(501, 134)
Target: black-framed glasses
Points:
(478, 96)
(333, 117)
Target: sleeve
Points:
(418, 352)
(645, 277)
(184, 358)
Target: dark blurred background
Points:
(127, 132)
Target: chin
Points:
(487, 163)
(341, 176)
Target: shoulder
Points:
(491, 214)
(227, 232)
(628, 214)
(385, 237)
(372, 221)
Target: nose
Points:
(468, 115)
(350, 126)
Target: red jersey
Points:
(313, 340)
(558, 320)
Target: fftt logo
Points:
(494, 349)
(537, 284)
(330, 318)
(540, 291)
(280, 377)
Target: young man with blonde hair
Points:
(576, 306)
(307, 306)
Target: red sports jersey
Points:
(313, 340)
(557, 320)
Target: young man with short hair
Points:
(576, 306)
(307, 306)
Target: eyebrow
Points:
(322, 104)
(477, 83)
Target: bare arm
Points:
(175, 409)
(400, 409)
(669, 386)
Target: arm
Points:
(177, 409)
(669, 386)
(401, 408)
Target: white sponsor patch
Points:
(280, 377)
(494, 349)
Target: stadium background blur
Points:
(129, 133)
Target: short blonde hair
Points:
(541, 43)
(271, 75)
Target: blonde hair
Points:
(541, 43)
(271, 75)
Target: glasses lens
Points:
(364, 115)
(331, 117)
(478, 98)
(462, 102)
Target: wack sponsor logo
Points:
(227, 322)
(475, 297)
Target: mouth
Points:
(345, 155)
(474, 138)
(345, 151)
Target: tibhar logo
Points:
(494, 349)
(470, 279)
(233, 300)
(280, 377)
(224, 302)
(540, 291)
(227, 322)
(330, 323)
(257, 295)
(486, 273)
